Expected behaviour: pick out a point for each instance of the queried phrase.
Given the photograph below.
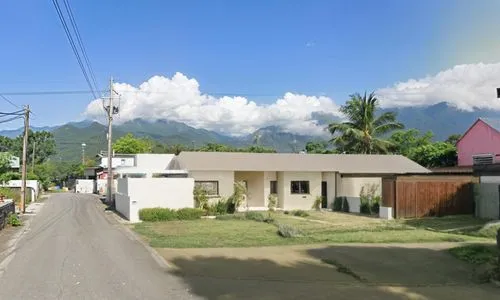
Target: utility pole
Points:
(111, 110)
(25, 150)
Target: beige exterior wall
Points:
(330, 178)
(255, 187)
(268, 177)
(299, 201)
(280, 177)
(225, 179)
(351, 186)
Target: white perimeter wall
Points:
(31, 184)
(152, 192)
(85, 186)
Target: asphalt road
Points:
(72, 250)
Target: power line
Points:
(80, 42)
(15, 113)
(8, 101)
(73, 46)
(11, 119)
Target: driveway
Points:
(418, 271)
(73, 250)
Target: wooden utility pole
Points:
(25, 150)
(111, 110)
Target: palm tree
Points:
(364, 131)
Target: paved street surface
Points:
(72, 250)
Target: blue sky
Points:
(264, 48)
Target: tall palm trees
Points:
(364, 131)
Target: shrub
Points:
(345, 205)
(13, 220)
(286, 212)
(364, 208)
(189, 213)
(288, 231)
(221, 207)
(200, 197)
(300, 213)
(157, 214)
(238, 197)
(255, 216)
(230, 217)
(337, 204)
(272, 202)
(317, 203)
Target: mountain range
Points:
(442, 119)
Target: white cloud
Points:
(463, 86)
(179, 99)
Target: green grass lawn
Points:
(249, 233)
(476, 254)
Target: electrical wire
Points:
(80, 43)
(73, 46)
(8, 101)
(15, 113)
(11, 119)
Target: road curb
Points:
(136, 237)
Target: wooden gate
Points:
(416, 199)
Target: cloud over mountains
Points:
(179, 99)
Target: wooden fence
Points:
(420, 197)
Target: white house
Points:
(296, 179)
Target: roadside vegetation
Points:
(253, 229)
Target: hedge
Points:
(166, 214)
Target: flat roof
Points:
(342, 163)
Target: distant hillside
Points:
(441, 119)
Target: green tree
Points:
(129, 144)
(317, 148)
(42, 141)
(364, 130)
(453, 139)
(5, 159)
(438, 154)
(405, 141)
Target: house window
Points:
(274, 186)
(210, 187)
(299, 187)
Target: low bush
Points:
(337, 204)
(300, 213)
(230, 217)
(189, 213)
(317, 203)
(288, 231)
(13, 220)
(157, 214)
(365, 208)
(345, 205)
(272, 202)
(286, 212)
(255, 216)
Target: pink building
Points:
(480, 143)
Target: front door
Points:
(324, 195)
